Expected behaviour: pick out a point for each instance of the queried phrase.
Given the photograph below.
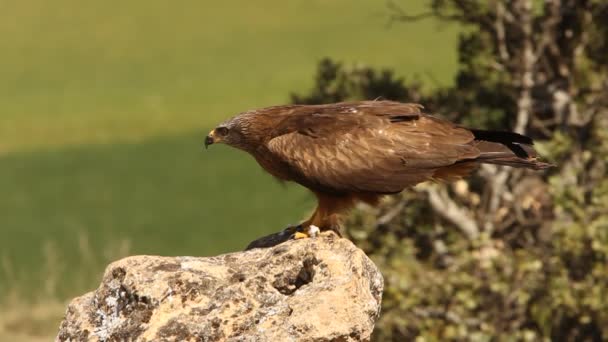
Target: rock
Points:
(317, 289)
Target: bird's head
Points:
(233, 132)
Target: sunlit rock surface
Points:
(316, 289)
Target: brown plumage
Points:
(358, 151)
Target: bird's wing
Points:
(367, 146)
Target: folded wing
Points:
(379, 147)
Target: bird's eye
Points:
(221, 131)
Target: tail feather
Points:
(507, 148)
(504, 137)
(519, 162)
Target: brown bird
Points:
(359, 151)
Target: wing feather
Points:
(368, 147)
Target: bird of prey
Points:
(359, 151)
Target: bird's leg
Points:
(325, 218)
(320, 222)
(306, 232)
(308, 228)
(313, 226)
(333, 224)
(300, 228)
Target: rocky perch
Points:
(317, 289)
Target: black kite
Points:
(358, 151)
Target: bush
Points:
(534, 266)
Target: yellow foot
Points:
(299, 235)
(310, 231)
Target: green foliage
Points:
(334, 83)
(538, 270)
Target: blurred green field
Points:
(164, 196)
(103, 107)
(75, 72)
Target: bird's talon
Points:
(309, 232)
(300, 235)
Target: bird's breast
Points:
(273, 165)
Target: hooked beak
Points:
(209, 140)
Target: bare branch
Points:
(551, 20)
(496, 177)
(392, 213)
(527, 61)
(449, 210)
(499, 28)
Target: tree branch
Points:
(527, 60)
(449, 210)
(499, 28)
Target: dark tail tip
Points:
(503, 137)
(519, 144)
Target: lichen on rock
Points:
(321, 289)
